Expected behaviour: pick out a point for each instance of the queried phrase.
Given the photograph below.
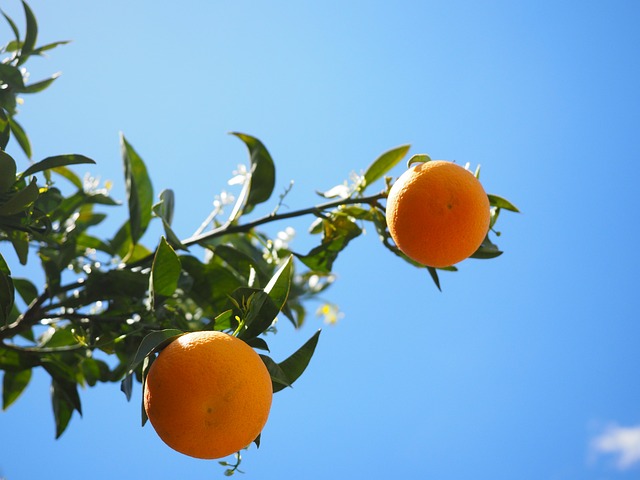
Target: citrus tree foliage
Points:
(109, 303)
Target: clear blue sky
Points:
(521, 364)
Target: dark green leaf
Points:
(296, 364)
(11, 76)
(41, 85)
(279, 379)
(487, 250)
(49, 46)
(259, 186)
(31, 34)
(240, 262)
(21, 200)
(139, 190)
(259, 314)
(7, 296)
(14, 360)
(258, 343)
(7, 171)
(5, 134)
(165, 270)
(146, 365)
(65, 399)
(434, 276)
(384, 163)
(126, 386)
(57, 161)
(13, 26)
(20, 136)
(152, 343)
(164, 210)
(4, 267)
(500, 202)
(20, 242)
(13, 384)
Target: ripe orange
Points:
(437, 213)
(208, 394)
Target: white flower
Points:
(240, 176)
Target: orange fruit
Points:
(437, 213)
(208, 394)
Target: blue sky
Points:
(522, 367)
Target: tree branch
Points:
(273, 217)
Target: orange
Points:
(208, 394)
(437, 213)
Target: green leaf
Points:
(496, 201)
(418, 158)
(11, 76)
(55, 162)
(384, 163)
(13, 384)
(20, 136)
(261, 182)
(139, 190)
(338, 232)
(279, 379)
(64, 399)
(164, 210)
(240, 262)
(20, 242)
(41, 85)
(31, 34)
(434, 276)
(259, 314)
(296, 364)
(49, 46)
(13, 26)
(487, 250)
(5, 134)
(21, 200)
(165, 271)
(280, 284)
(7, 293)
(152, 343)
(69, 175)
(7, 171)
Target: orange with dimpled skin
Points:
(208, 394)
(438, 214)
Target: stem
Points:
(273, 217)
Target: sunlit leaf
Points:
(500, 202)
(384, 163)
(165, 270)
(261, 181)
(280, 284)
(139, 190)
